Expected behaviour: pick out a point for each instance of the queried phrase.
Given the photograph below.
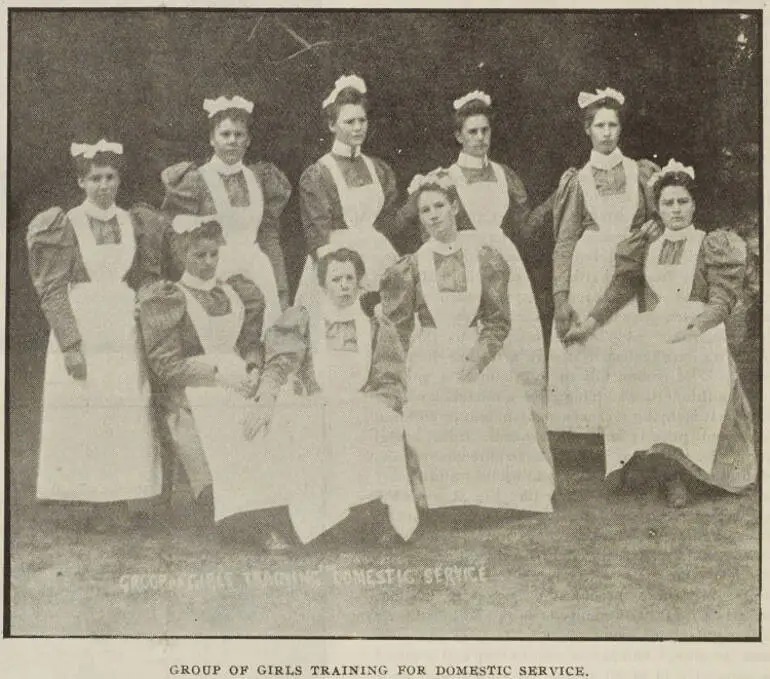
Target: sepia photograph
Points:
(383, 324)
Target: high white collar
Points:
(340, 148)
(607, 161)
(196, 283)
(679, 234)
(333, 314)
(472, 162)
(223, 168)
(98, 213)
(444, 248)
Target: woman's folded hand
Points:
(580, 332)
(691, 331)
(257, 419)
(75, 364)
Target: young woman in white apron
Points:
(96, 443)
(247, 200)
(202, 336)
(595, 208)
(347, 199)
(341, 434)
(467, 416)
(673, 397)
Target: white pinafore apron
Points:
(96, 443)
(244, 478)
(346, 447)
(476, 442)
(659, 392)
(360, 208)
(486, 204)
(577, 374)
(240, 226)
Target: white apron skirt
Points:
(96, 443)
(659, 392)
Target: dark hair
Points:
(348, 95)
(589, 112)
(208, 230)
(673, 179)
(235, 114)
(475, 107)
(450, 192)
(340, 255)
(102, 159)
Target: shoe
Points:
(275, 544)
(676, 492)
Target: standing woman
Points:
(595, 208)
(674, 400)
(467, 416)
(96, 444)
(247, 200)
(347, 199)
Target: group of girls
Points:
(392, 385)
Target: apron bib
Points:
(578, 374)
(240, 226)
(96, 442)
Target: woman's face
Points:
(438, 215)
(604, 131)
(101, 185)
(202, 258)
(351, 126)
(676, 207)
(475, 135)
(342, 286)
(230, 139)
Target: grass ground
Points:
(599, 566)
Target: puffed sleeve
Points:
(724, 258)
(316, 195)
(646, 169)
(387, 378)
(249, 342)
(386, 221)
(155, 258)
(518, 210)
(54, 263)
(398, 296)
(185, 190)
(276, 191)
(286, 346)
(494, 315)
(166, 330)
(627, 279)
(568, 210)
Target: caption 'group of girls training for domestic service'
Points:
(406, 383)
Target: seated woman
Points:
(347, 199)
(247, 200)
(467, 416)
(674, 399)
(341, 437)
(96, 443)
(202, 338)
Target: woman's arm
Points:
(398, 295)
(249, 342)
(155, 259)
(494, 315)
(316, 193)
(286, 346)
(386, 221)
(387, 378)
(276, 191)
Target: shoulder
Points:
(723, 247)
(492, 259)
(401, 270)
(181, 175)
(146, 219)
(314, 175)
(381, 166)
(646, 169)
(51, 227)
(269, 174)
(295, 318)
(569, 181)
(245, 288)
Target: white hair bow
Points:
(472, 96)
(587, 98)
(214, 106)
(439, 177)
(354, 81)
(670, 168)
(90, 150)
